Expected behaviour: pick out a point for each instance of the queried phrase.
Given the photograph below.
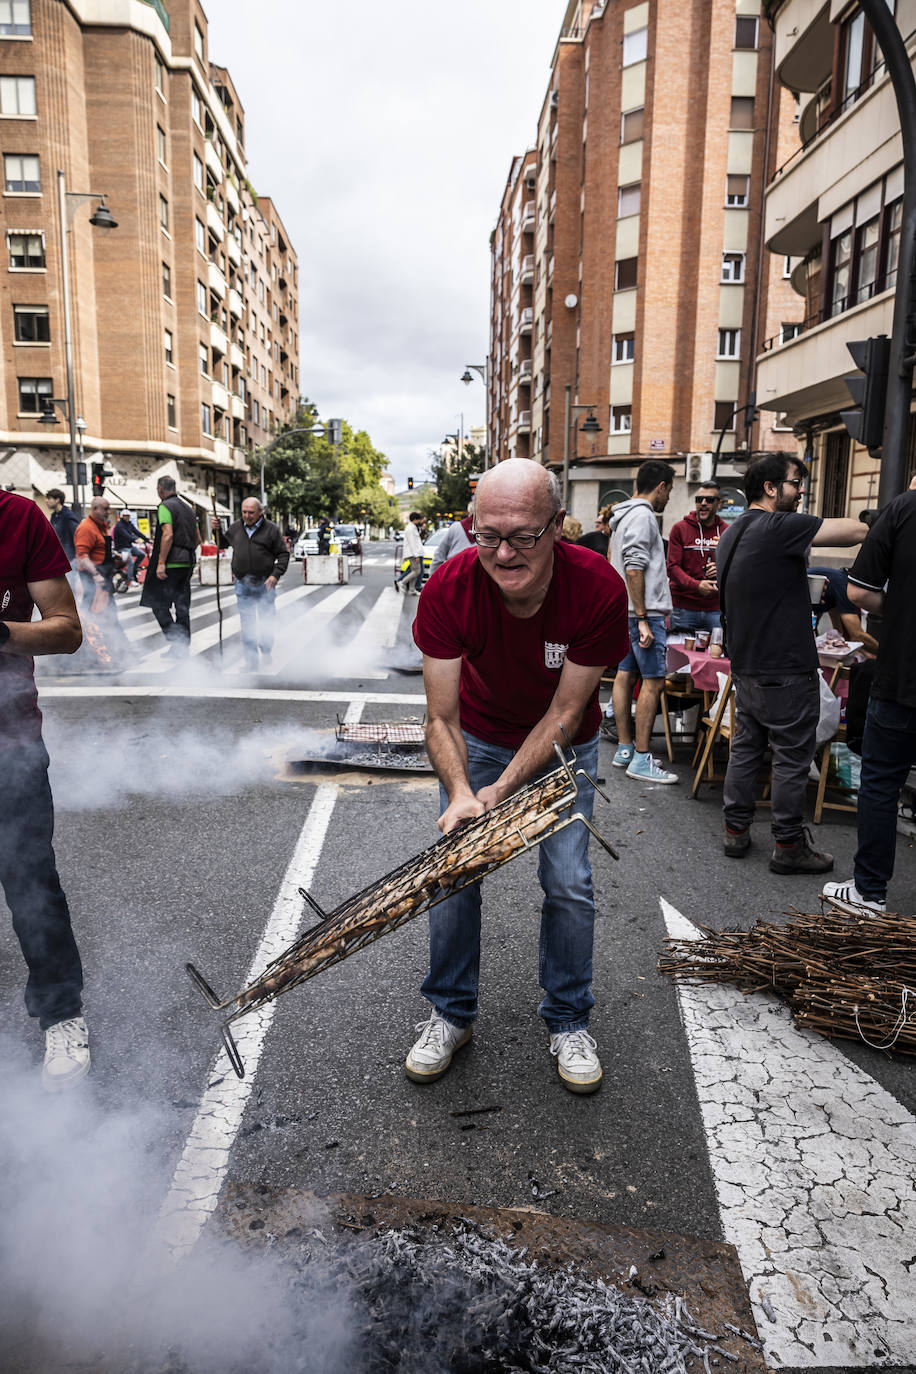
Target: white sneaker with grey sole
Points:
(848, 898)
(66, 1055)
(432, 1054)
(577, 1063)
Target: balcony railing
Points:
(831, 312)
(526, 319)
(162, 12)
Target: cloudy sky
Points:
(384, 131)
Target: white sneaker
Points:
(432, 1054)
(66, 1055)
(577, 1063)
(847, 897)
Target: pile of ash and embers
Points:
(846, 974)
(433, 1289)
(379, 746)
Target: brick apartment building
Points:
(627, 264)
(184, 317)
(835, 206)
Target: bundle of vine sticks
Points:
(849, 977)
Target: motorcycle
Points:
(119, 579)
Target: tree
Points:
(307, 477)
(452, 479)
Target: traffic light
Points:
(99, 473)
(866, 422)
(335, 431)
(410, 484)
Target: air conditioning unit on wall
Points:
(699, 467)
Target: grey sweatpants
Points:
(782, 712)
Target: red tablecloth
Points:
(703, 667)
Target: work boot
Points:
(736, 843)
(431, 1056)
(848, 898)
(577, 1063)
(800, 857)
(66, 1055)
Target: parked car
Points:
(429, 549)
(348, 538)
(306, 544)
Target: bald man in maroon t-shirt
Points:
(33, 572)
(515, 633)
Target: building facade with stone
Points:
(185, 316)
(835, 207)
(628, 278)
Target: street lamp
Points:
(101, 218)
(748, 410)
(483, 372)
(589, 426)
(332, 429)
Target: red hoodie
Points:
(690, 548)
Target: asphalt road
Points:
(176, 821)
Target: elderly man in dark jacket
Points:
(259, 559)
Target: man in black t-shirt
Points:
(882, 581)
(763, 587)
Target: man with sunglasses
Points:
(692, 544)
(515, 634)
(763, 582)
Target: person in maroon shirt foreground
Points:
(33, 572)
(515, 634)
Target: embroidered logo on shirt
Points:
(554, 655)
(6, 601)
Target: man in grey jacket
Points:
(638, 554)
(456, 538)
(259, 559)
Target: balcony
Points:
(236, 357)
(552, 204)
(214, 166)
(524, 372)
(526, 320)
(215, 221)
(524, 422)
(237, 407)
(216, 280)
(233, 251)
(235, 303)
(528, 217)
(550, 268)
(240, 458)
(232, 196)
(219, 341)
(804, 44)
(220, 397)
(526, 276)
(221, 453)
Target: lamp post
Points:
(589, 426)
(748, 410)
(483, 371)
(101, 218)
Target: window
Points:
(255, 411)
(17, 95)
(263, 375)
(625, 273)
(866, 253)
(893, 216)
(621, 419)
(864, 245)
(840, 272)
(622, 348)
(631, 125)
(34, 394)
(15, 18)
(733, 267)
(205, 360)
(628, 198)
(198, 172)
(205, 423)
(196, 109)
(166, 280)
(164, 213)
(746, 31)
(21, 173)
(725, 416)
(167, 339)
(729, 345)
(742, 112)
(160, 143)
(786, 268)
(199, 41)
(31, 324)
(200, 236)
(635, 47)
(202, 301)
(170, 411)
(27, 251)
(789, 330)
(159, 73)
(736, 190)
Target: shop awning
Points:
(207, 505)
(134, 495)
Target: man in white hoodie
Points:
(638, 554)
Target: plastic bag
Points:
(829, 720)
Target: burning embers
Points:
(460, 858)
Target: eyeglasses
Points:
(705, 500)
(488, 540)
(796, 482)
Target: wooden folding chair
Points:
(717, 727)
(679, 690)
(820, 805)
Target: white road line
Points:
(380, 628)
(49, 692)
(207, 638)
(200, 1172)
(813, 1165)
(310, 628)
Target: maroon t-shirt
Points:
(30, 551)
(511, 667)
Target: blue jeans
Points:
(651, 662)
(684, 619)
(256, 604)
(888, 754)
(567, 914)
